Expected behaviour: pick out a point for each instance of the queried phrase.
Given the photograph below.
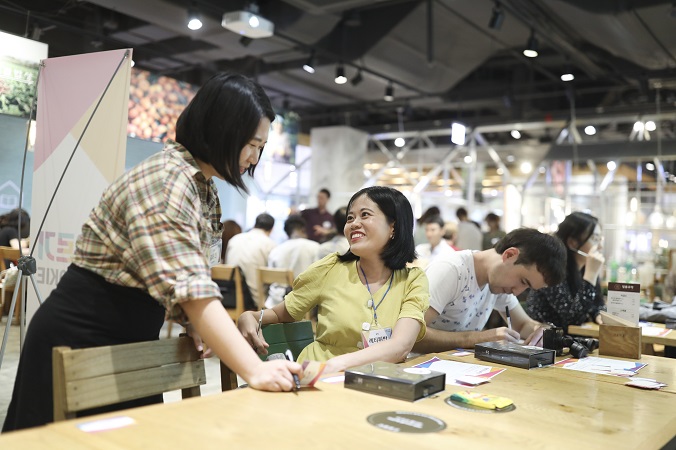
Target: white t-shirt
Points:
(469, 236)
(249, 251)
(462, 304)
(426, 252)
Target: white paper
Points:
(624, 304)
(605, 366)
(455, 370)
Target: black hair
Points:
(429, 212)
(547, 252)
(325, 191)
(265, 222)
(435, 219)
(11, 220)
(294, 222)
(340, 219)
(461, 212)
(397, 209)
(579, 226)
(221, 120)
(492, 217)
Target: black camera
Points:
(554, 339)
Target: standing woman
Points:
(370, 305)
(146, 250)
(578, 299)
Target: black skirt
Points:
(84, 310)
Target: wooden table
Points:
(555, 408)
(591, 329)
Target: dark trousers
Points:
(84, 310)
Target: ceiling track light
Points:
(389, 93)
(357, 78)
(194, 19)
(309, 65)
(340, 74)
(497, 17)
(531, 50)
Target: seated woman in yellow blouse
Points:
(370, 305)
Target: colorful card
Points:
(461, 374)
(312, 370)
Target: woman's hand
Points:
(334, 365)
(248, 326)
(593, 265)
(275, 375)
(199, 345)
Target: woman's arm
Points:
(248, 325)
(212, 323)
(393, 350)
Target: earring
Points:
(392, 236)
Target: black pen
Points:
(289, 357)
(509, 319)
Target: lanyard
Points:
(373, 303)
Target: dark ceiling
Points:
(443, 60)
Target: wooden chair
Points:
(267, 276)
(100, 376)
(12, 254)
(225, 272)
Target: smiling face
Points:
(252, 150)
(510, 278)
(367, 229)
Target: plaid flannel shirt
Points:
(153, 229)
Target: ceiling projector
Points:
(248, 24)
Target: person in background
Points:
(337, 243)
(494, 233)
(449, 235)
(578, 298)
(419, 232)
(251, 250)
(319, 221)
(295, 254)
(468, 236)
(146, 250)
(436, 246)
(230, 229)
(371, 306)
(9, 229)
(466, 287)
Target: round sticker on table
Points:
(406, 422)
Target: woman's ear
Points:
(572, 243)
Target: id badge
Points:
(214, 256)
(375, 335)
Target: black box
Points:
(511, 354)
(392, 380)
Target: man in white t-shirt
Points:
(297, 253)
(466, 287)
(469, 235)
(250, 250)
(436, 246)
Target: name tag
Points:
(214, 256)
(376, 335)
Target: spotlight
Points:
(516, 134)
(458, 131)
(357, 78)
(526, 167)
(611, 165)
(389, 93)
(650, 126)
(399, 142)
(497, 17)
(309, 65)
(194, 19)
(531, 50)
(567, 76)
(589, 130)
(340, 75)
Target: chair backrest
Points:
(10, 253)
(225, 272)
(294, 336)
(267, 276)
(100, 376)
